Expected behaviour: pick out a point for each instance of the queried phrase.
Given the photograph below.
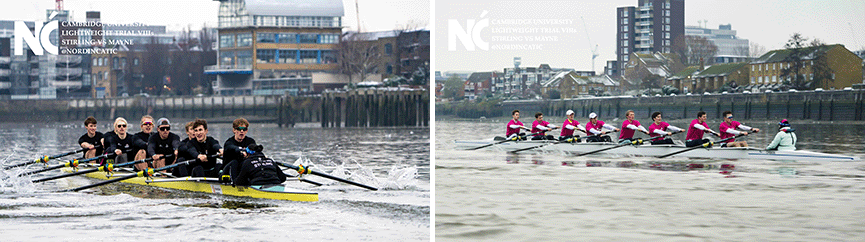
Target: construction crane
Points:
(594, 50)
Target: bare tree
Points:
(356, 55)
(801, 52)
(694, 50)
(756, 50)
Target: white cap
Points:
(593, 115)
(569, 112)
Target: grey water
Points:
(490, 195)
(396, 160)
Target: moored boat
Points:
(657, 150)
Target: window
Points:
(625, 57)
(135, 62)
(752, 69)
(244, 39)
(774, 79)
(226, 41)
(308, 57)
(667, 4)
(666, 35)
(624, 28)
(666, 27)
(752, 80)
(287, 56)
(265, 37)
(265, 56)
(625, 13)
(388, 49)
(667, 12)
(625, 51)
(329, 38)
(624, 43)
(95, 61)
(226, 58)
(389, 67)
(811, 76)
(328, 57)
(624, 20)
(115, 64)
(760, 67)
(244, 59)
(773, 66)
(667, 42)
(308, 38)
(287, 38)
(666, 20)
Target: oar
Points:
(144, 173)
(633, 142)
(304, 180)
(72, 163)
(107, 168)
(552, 143)
(46, 158)
(511, 139)
(707, 144)
(307, 170)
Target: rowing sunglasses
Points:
(729, 117)
(147, 123)
(164, 128)
(241, 128)
(121, 125)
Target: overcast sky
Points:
(375, 15)
(767, 22)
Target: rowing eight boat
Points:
(659, 150)
(212, 186)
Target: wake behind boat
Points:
(656, 150)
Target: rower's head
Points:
(90, 124)
(120, 126)
(629, 115)
(783, 124)
(656, 116)
(701, 116)
(728, 116)
(569, 114)
(164, 127)
(539, 116)
(593, 117)
(199, 129)
(240, 128)
(147, 124)
(189, 129)
(515, 114)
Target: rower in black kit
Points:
(257, 169)
(203, 147)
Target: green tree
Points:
(453, 87)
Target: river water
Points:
(489, 195)
(397, 160)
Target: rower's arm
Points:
(595, 131)
(640, 128)
(580, 126)
(571, 127)
(733, 131)
(659, 131)
(701, 127)
(674, 128)
(515, 126)
(745, 127)
(610, 127)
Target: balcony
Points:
(645, 16)
(67, 84)
(228, 69)
(5, 60)
(4, 72)
(64, 72)
(5, 85)
(69, 59)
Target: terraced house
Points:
(844, 67)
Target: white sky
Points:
(376, 15)
(766, 22)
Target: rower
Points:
(118, 141)
(728, 129)
(514, 126)
(257, 169)
(202, 147)
(183, 152)
(235, 148)
(696, 129)
(629, 126)
(165, 143)
(570, 126)
(596, 127)
(785, 139)
(540, 128)
(90, 139)
(659, 128)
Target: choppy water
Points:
(489, 195)
(394, 159)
